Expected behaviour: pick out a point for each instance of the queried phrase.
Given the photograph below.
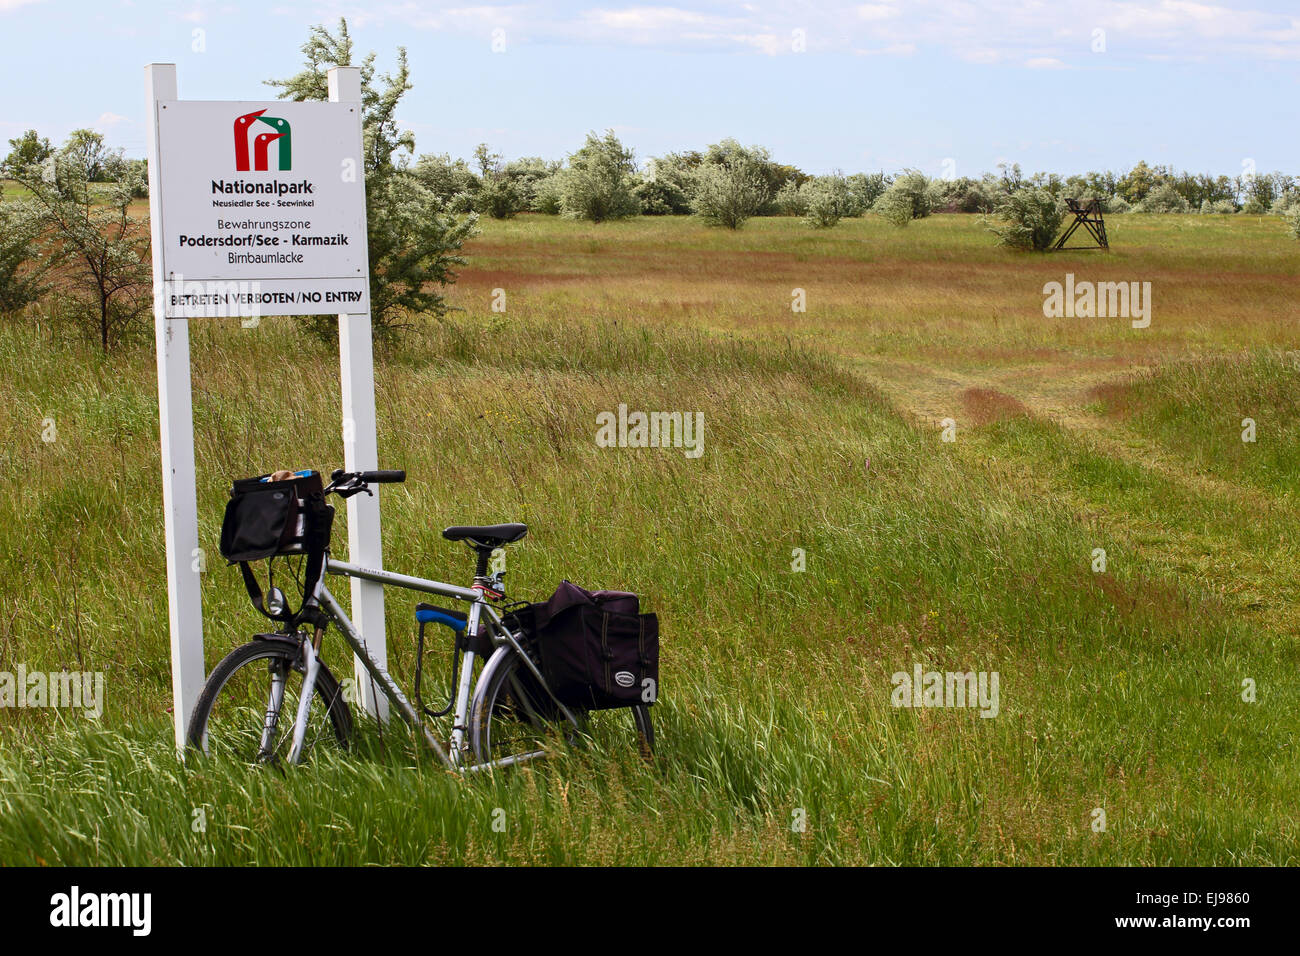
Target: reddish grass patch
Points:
(987, 405)
(1117, 399)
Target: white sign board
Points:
(264, 209)
(230, 187)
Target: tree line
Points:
(727, 183)
(69, 227)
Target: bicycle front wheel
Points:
(513, 719)
(250, 703)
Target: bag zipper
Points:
(604, 643)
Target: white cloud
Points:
(976, 31)
(894, 49)
(877, 11)
(1045, 63)
(645, 18)
(7, 6)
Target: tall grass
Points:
(1119, 690)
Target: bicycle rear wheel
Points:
(513, 719)
(249, 705)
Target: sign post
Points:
(361, 453)
(257, 209)
(176, 431)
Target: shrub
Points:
(526, 175)
(864, 190)
(729, 195)
(962, 195)
(1219, 207)
(22, 267)
(1164, 198)
(661, 197)
(667, 185)
(906, 199)
(446, 178)
(828, 201)
(1029, 218)
(1117, 204)
(1286, 204)
(1295, 223)
(498, 195)
(752, 163)
(792, 199)
(548, 196)
(598, 183)
(499, 198)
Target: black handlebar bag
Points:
(268, 518)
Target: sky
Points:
(951, 87)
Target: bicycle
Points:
(507, 715)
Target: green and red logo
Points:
(247, 128)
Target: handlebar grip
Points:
(385, 476)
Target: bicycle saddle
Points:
(487, 535)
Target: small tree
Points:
(30, 149)
(548, 195)
(663, 189)
(728, 196)
(1286, 204)
(1136, 183)
(792, 199)
(829, 200)
(1029, 218)
(865, 188)
(1163, 198)
(414, 245)
(498, 196)
(22, 266)
(906, 199)
(598, 184)
(668, 183)
(445, 177)
(735, 182)
(527, 174)
(962, 195)
(85, 149)
(1217, 207)
(97, 250)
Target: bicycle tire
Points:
(494, 709)
(329, 700)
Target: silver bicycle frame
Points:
(453, 755)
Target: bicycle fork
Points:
(304, 702)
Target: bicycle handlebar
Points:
(345, 484)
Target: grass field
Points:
(1120, 690)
